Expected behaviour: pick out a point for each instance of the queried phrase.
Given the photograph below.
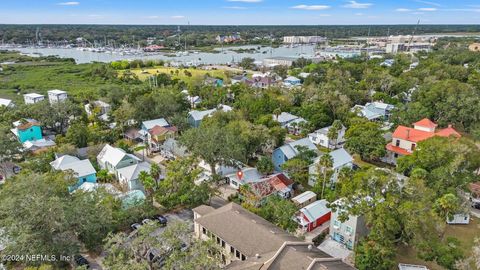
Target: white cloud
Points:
(427, 9)
(246, 1)
(311, 7)
(69, 4)
(402, 10)
(235, 7)
(355, 4)
(429, 3)
(178, 17)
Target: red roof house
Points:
(405, 139)
(313, 215)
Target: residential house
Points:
(474, 189)
(156, 132)
(6, 103)
(291, 122)
(341, 159)
(349, 231)
(82, 169)
(56, 95)
(374, 111)
(313, 216)
(291, 150)
(33, 98)
(256, 193)
(405, 139)
(195, 117)
(112, 159)
(102, 107)
(243, 176)
(320, 137)
(158, 135)
(304, 75)
(215, 82)
(27, 130)
(304, 199)
(262, 82)
(238, 79)
(292, 81)
(161, 122)
(194, 101)
(248, 241)
(128, 176)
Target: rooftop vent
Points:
(310, 247)
(257, 256)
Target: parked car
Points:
(161, 219)
(135, 226)
(476, 205)
(146, 221)
(81, 261)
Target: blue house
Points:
(27, 130)
(374, 111)
(215, 82)
(289, 151)
(82, 169)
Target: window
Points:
(413, 146)
(395, 155)
(234, 183)
(336, 223)
(397, 143)
(237, 254)
(223, 243)
(243, 257)
(232, 250)
(204, 231)
(349, 229)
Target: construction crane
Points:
(413, 34)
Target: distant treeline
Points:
(203, 35)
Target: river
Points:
(225, 55)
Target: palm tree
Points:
(277, 112)
(325, 164)
(155, 172)
(333, 133)
(148, 183)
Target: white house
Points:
(374, 111)
(244, 176)
(103, 107)
(33, 98)
(341, 159)
(6, 103)
(289, 121)
(56, 95)
(459, 219)
(112, 159)
(304, 199)
(320, 137)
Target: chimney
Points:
(449, 125)
(408, 133)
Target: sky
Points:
(240, 12)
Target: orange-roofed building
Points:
(405, 139)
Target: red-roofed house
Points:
(158, 135)
(257, 192)
(405, 139)
(313, 215)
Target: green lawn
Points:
(197, 74)
(465, 233)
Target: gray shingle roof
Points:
(245, 231)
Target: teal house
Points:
(28, 131)
(81, 169)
